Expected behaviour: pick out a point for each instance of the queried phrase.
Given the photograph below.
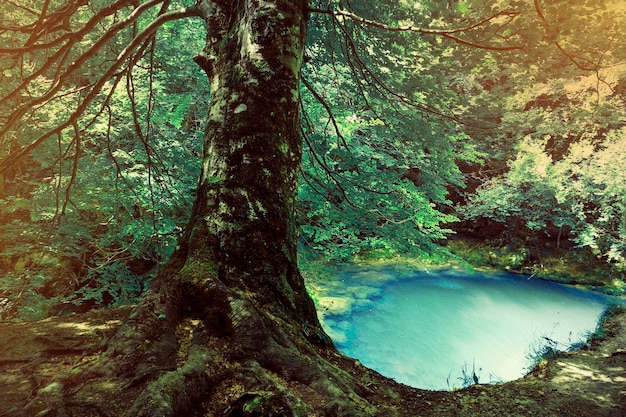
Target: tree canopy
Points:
(341, 128)
(394, 126)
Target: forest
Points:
(198, 164)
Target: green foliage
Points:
(94, 238)
(24, 302)
(369, 192)
(583, 192)
(114, 280)
(554, 137)
(383, 145)
(524, 199)
(117, 222)
(395, 124)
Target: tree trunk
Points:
(243, 219)
(227, 327)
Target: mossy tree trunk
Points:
(243, 227)
(227, 326)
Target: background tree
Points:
(556, 116)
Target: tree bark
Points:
(245, 205)
(227, 326)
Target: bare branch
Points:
(76, 65)
(141, 37)
(144, 138)
(77, 153)
(58, 20)
(447, 33)
(118, 168)
(72, 36)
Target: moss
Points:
(267, 403)
(617, 286)
(177, 390)
(197, 271)
(565, 266)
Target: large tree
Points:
(226, 325)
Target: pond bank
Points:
(446, 329)
(588, 382)
(549, 262)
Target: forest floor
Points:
(37, 356)
(588, 382)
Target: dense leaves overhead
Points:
(557, 107)
(414, 114)
(106, 197)
(384, 133)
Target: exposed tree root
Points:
(220, 353)
(184, 358)
(205, 377)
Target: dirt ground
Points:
(587, 382)
(36, 355)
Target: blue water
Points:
(435, 331)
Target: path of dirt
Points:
(35, 354)
(590, 382)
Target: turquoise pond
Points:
(436, 330)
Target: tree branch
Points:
(76, 158)
(372, 79)
(556, 43)
(75, 66)
(447, 33)
(72, 36)
(113, 69)
(19, 6)
(54, 22)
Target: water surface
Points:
(436, 331)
